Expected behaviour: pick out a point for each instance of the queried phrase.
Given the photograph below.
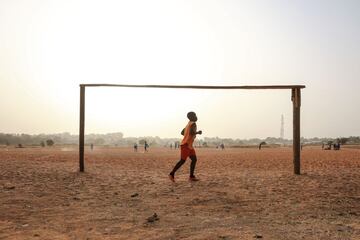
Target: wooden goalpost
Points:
(295, 98)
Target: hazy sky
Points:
(48, 47)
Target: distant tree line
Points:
(36, 140)
(118, 139)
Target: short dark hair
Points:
(191, 114)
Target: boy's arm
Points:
(193, 130)
(183, 131)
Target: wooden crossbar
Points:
(198, 86)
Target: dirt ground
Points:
(243, 194)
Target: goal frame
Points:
(295, 98)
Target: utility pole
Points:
(282, 127)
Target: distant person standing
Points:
(92, 146)
(135, 147)
(222, 146)
(187, 149)
(170, 145)
(146, 146)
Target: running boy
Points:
(187, 149)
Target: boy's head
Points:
(192, 116)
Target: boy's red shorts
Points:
(186, 152)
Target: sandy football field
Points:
(243, 194)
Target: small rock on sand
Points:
(135, 195)
(224, 237)
(258, 236)
(9, 187)
(153, 218)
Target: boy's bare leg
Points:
(177, 166)
(192, 165)
(192, 168)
